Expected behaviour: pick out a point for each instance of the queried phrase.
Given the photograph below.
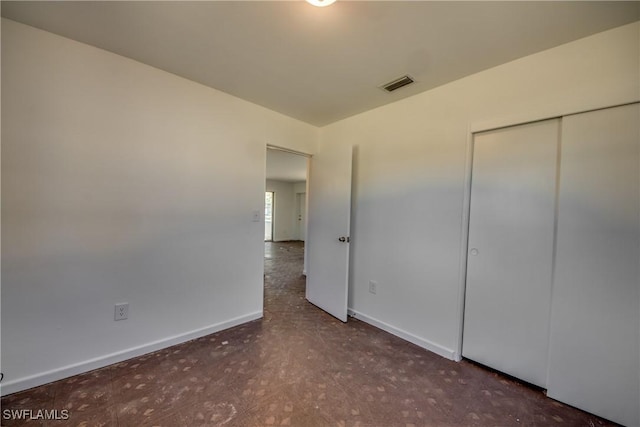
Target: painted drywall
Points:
(123, 183)
(300, 187)
(409, 175)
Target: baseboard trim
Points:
(407, 336)
(26, 383)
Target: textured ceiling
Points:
(321, 65)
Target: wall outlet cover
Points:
(121, 311)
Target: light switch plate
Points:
(373, 286)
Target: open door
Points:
(329, 213)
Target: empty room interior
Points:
(347, 213)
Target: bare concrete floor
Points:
(297, 366)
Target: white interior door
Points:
(594, 360)
(301, 212)
(327, 245)
(511, 232)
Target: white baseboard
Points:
(421, 342)
(109, 359)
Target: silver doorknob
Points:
(474, 252)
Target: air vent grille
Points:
(397, 83)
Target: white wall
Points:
(300, 187)
(123, 183)
(410, 175)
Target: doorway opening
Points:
(285, 205)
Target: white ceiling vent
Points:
(397, 83)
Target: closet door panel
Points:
(594, 361)
(509, 265)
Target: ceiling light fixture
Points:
(321, 3)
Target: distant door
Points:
(328, 229)
(301, 215)
(509, 264)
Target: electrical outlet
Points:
(373, 286)
(122, 311)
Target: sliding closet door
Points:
(509, 265)
(594, 360)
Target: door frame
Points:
(472, 129)
(308, 156)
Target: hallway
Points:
(297, 366)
